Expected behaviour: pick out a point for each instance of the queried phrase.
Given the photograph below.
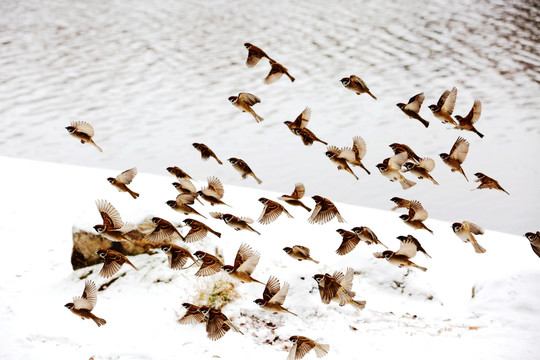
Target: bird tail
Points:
(428, 229)
(219, 161)
(363, 167)
(319, 140)
(133, 194)
(477, 248)
(425, 122)
(315, 261)
(98, 321)
(93, 143)
(232, 326)
(290, 312)
(370, 94)
(433, 181)
(420, 267)
(321, 349)
(500, 188)
(196, 212)
(406, 183)
(463, 172)
(133, 266)
(358, 304)
(252, 229)
(340, 218)
(478, 133)
(259, 181)
(287, 213)
(218, 234)
(257, 117)
(378, 242)
(290, 77)
(305, 207)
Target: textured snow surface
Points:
(413, 315)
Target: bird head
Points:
(358, 229)
(408, 166)
(188, 221)
(199, 255)
(70, 305)
(204, 310)
(479, 175)
(531, 236)
(387, 254)
(382, 167)
(288, 123)
(263, 201)
(288, 250)
(247, 45)
(401, 237)
(293, 339)
(404, 217)
(260, 302)
(196, 145)
(99, 228)
(457, 227)
(330, 154)
(170, 169)
(166, 247)
(70, 129)
(200, 192)
(233, 99)
(318, 199)
(156, 220)
(111, 180)
(318, 278)
(444, 156)
(341, 231)
(396, 199)
(186, 305)
(227, 217)
(171, 203)
(433, 107)
(345, 81)
(394, 146)
(458, 117)
(233, 161)
(401, 105)
(227, 268)
(102, 253)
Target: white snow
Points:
(429, 315)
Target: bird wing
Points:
(475, 112)
(449, 101)
(111, 217)
(246, 220)
(254, 55)
(347, 281)
(88, 299)
(279, 297)
(417, 211)
(407, 248)
(177, 257)
(276, 71)
(216, 327)
(216, 215)
(303, 119)
(162, 231)
(83, 127)
(347, 154)
(302, 249)
(186, 184)
(217, 186)
(246, 259)
(304, 348)
(333, 149)
(473, 228)
(186, 199)
(210, 266)
(459, 150)
(196, 233)
(292, 353)
(323, 213)
(127, 176)
(110, 267)
(396, 162)
(299, 191)
(330, 289)
(347, 245)
(271, 212)
(356, 80)
(248, 98)
(370, 234)
(359, 145)
(271, 288)
(415, 102)
(427, 164)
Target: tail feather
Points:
(477, 248)
(321, 350)
(370, 94)
(290, 77)
(421, 268)
(93, 143)
(463, 172)
(133, 194)
(218, 234)
(425, 122)
(407, 183)
(363, 167)
(258, 117)
(433, 181)
(219, 161)
(252, 229)
(358, 304)
(133, 266)
(259, 181)
(98, 321)
(305, 207)
(315, 261)
(478, 133)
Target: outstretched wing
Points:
(88, 299)
(127, 176)
(248, 98)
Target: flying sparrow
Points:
(244, 101)
(445, 106)
(465, 231)
(354, 83)
(299, 128)
(422, 169)
(193, 315)
(198, 231)
(243, 168)
(412, 108)
(177, 256)
(338, 288)
(124, 179)
(82, 306)
(254, 55)
(217, 324)
(302, 345)
(162, 231)
(400, 203)
(324, 211)
(390, 169)
(488, 183)
(416, 216)
(179, 173)
(467, 123)
(399, 148)
(349, 240)
(274, 296)
(113, 262)
(276, 71)
(401, 258)
(271, 211)
(210, 264)
(307, 136)
(410, 238)
(457, 156)
(206, 152)
(294, 198)
(214, 192)
(335, 155)
(299, 253)
(367, 235)
(181, 204)
(82, 131)
(355, 154)
(113, 228)
(245, 262)
(534, 239)
(185, 186)
(235, 222)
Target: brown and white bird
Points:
(299, 253)
(299, 128)
(367, 235)
(82, 131)
(123, 180)
(338, 288)
(445, 107)
(255, 54)
(198, 231)
(488, 183)
(179, 173)
(390, 167)
(324, 211)
(82, 306)
(335, 155)
(400, 203)
(244, 101)
(401, 258)
(412, 108)
(185, 186)
(245, 262)
(217, 324)
(163, 231)
(113, 262)
(349, 240)
(410, 238)
(399, 148)
(465, 231)
(276, 71)
(210, 265)
(113, 228)
(355, 154)
(302, 345)
(271, 211)
(177, 256)
(192, 316)
(294, 198)
(237, 223)
(457, 156)
(181, 204)
(534, 239)
(467, 122)
(416, 216)
(206, 152)
(214, 192)
(274, 297)
(243, 168)
(422, 169)
(354, 83)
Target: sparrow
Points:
(390, 169)
(83, 131)
(162, 231)
(210, 264)
(355, 154)
(354, 83)
(243, 168)
(245, 262)
(299, 253)
(410, 238)
(113, 228)
(407, 250)
(124, 179)
(206, 152)
(82, 306)
(348, 242)
(465, 231)
(181, 204)
(185, 186)
(367, 235)
(113, 262)
(445, 106)
(244, 101)
(271, 211)
(302, 345)
(274, 296)
(217, 324)
(294, 198)
(177, 256)
(422, 169)
(416, 216)
(467, 122)
(457, 156)
(399, 148)
(198, 231)
(534, 239)
(235, 222)
(324, 211)
(276, 71)
(412, 108)
(179, 173)
(214, 192)
(193, 315)
(335, 155)
(299, 128)
(488, 183)
(338, 288)
(400, 203)
(254, 55)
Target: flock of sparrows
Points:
(336, 287)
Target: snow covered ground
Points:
(414, 316)
(154, 77)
